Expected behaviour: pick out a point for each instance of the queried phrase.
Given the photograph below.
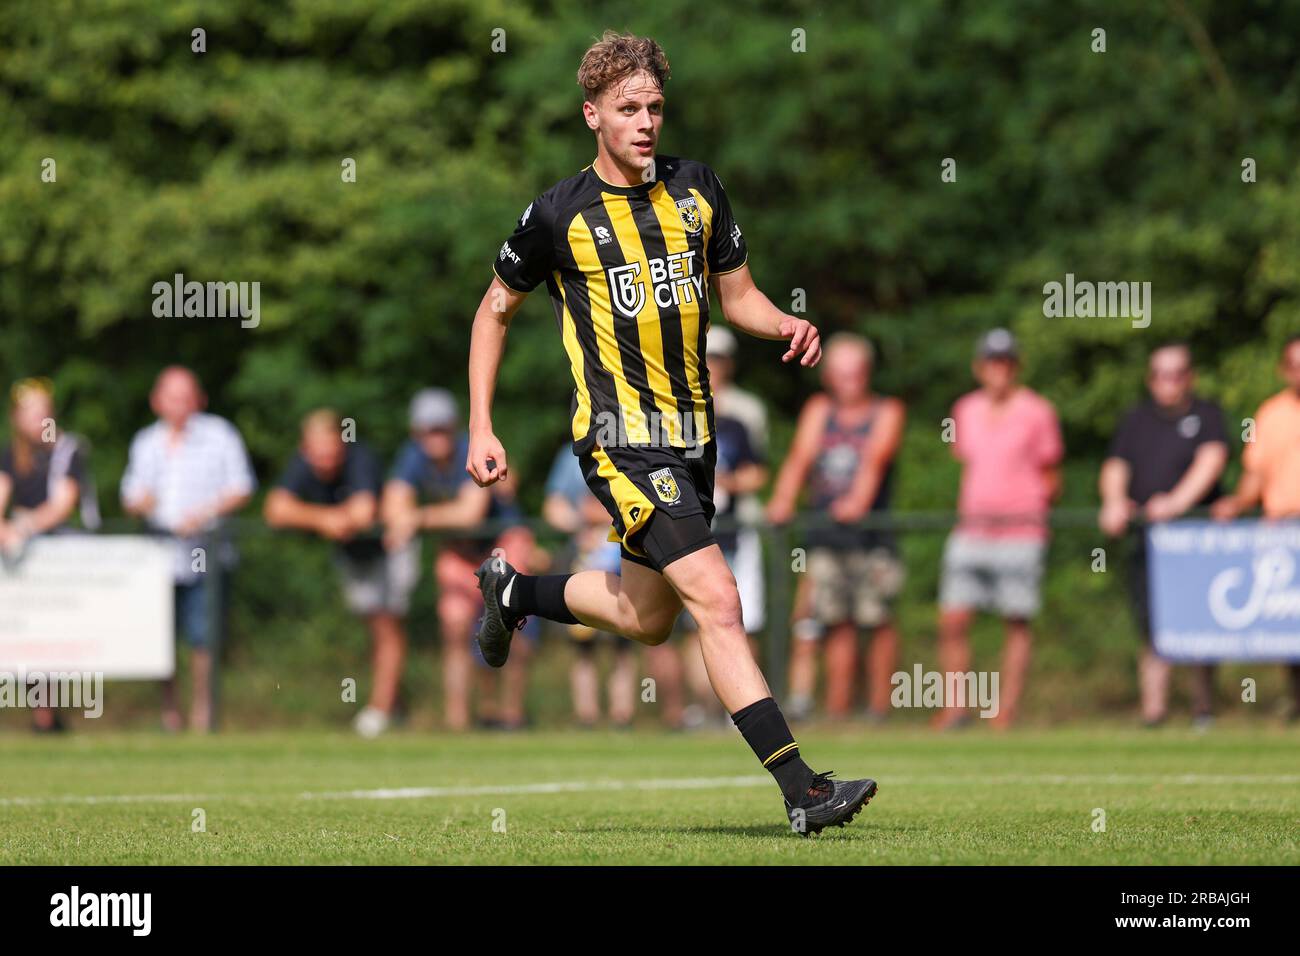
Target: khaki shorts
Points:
(854, 586)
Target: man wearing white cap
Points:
(430, 491)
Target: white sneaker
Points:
(371, 722)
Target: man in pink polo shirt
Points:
(1008, 440)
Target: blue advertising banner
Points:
(1225, 591)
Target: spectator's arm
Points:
(6, 489)
(400, 513)
(1248, 494)
(397, 500)
(138, 491)
(794, 470)
(1208, 464)
(1250, 490)
(362, 509)
(747, 478)
(559, 513)
(1053, 481)
(237, 490)
(1116, 506)
(466, 510)
(1051, 454)
(1113, 480)
(240, 480)
(231, 502)
(284, 509)
(54, 510)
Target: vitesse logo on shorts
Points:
(690, 215)
(665, 485)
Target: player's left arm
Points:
(747, 308)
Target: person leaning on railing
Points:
(44, 473)
(1271, 469)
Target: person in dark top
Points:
(741, 471)
(331, 488)
(1165, 459)
(843, 453)
(430, 490)
(43, 475)
(43, 470)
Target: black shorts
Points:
(1136, 580)
(636, 483)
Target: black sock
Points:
(541, 595)
(765, 730)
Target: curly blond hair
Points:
(615, 57)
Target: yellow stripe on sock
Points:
(784, 750)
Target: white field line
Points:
(687, 783)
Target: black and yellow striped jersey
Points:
(628, 271)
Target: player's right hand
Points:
(487, 459)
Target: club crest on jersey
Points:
(665, 485)
(690, 213)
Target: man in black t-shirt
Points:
(1165, 460)
(331, 488)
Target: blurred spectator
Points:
(184, 474)
(44, 473)
(429, 490)
(730, 399)
(740, 428)
(732, 402)
(566, 493)
(503, 692)
(844, 447)
(331, 488)
(570, 507)
(1165, 459)
(597, 553)
(1271, 468)
(739, 472)
(1008, 440)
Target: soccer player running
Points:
(627, 247)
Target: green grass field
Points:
(1231, 796)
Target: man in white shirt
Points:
(185, 472)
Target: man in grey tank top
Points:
(843, 454)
